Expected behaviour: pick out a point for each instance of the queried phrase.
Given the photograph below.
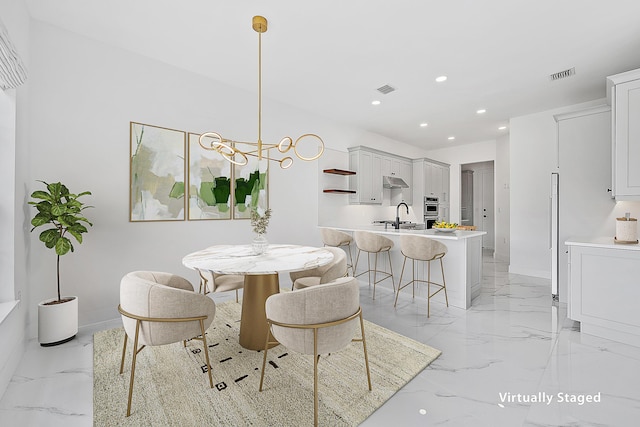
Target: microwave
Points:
(430, 206)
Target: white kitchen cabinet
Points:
(603, 288)
(445, 195)
(436, 177)
(371, 165)
(368, 179)
(624, 95)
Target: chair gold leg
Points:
(237, 300)
(444, 284)
(364, 346)
(206, 352)
(353, 269)
(124, 349)
(428, 288)
(369, 274)
(133, 367)
(356, 264)
(391, 270)
(413, 277)
(264, 359)
(400, 282)
(375, 276)
(315, 374)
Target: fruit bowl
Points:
(444, 230)
(445, 227)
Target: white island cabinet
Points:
(604, 288)
(462, 264)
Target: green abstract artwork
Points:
(250, 188)
(210, 179)
(157, 173)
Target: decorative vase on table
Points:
(259, 244)
(259, 222)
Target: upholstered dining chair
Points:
(214, 282)
(316, 320)
(320, 275)
(161, 308)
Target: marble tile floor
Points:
(500, 358)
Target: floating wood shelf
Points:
(339, 191)
(339, 172)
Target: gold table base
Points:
(253, 325)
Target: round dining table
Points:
(260, 278)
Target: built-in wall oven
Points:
(430, 211)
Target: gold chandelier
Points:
(229, 149)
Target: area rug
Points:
(171, 386)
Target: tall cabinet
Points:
(431, 178)
(624, 96)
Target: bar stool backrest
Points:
(372, 242)
(422, 248)
(333, 237)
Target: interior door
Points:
(488, 217)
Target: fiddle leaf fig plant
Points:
(62, 211)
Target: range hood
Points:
(393, 182)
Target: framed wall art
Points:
(250, 188)
(210, 183)
(157, 173)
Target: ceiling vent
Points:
(386, 89)
(563, 74)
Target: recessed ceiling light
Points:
(502, 128)
(375, 102)
(481, 111)
(424, 125)
(441, 79)
(451, 138)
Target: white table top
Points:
(240, 259)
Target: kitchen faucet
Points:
(396, 224)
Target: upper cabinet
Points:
(436, 181)
(368, 178)
(624, 95)
(371, 165)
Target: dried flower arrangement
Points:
(260, 222)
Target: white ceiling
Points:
(330, 56)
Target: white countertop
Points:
(455, 235)
(602, 242)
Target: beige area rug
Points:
(172, 389)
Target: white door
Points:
(488, 217)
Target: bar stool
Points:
(420, 248)
(374, 243)
(336, 238)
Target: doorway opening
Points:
(477, 199)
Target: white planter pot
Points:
(57, 323)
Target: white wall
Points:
(83, 96)
(502, 199)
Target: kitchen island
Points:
(462, 264)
